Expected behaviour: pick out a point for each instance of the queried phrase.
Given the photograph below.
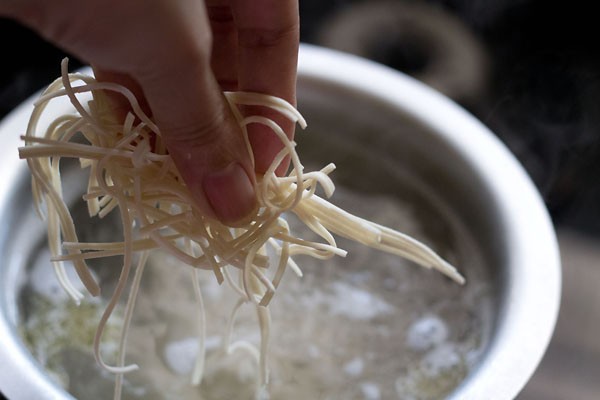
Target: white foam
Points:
(440, 359)
(356, 303)
(370, 391)
(180, 355)
(313, 351)
(427, 332)
(354, 367)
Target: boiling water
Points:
(369, 326)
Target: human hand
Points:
(178, 56)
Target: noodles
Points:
(131, 172)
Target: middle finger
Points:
(224, 60)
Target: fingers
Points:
(201, 135)
(203, 139)
(268, 41)
(224, 52)
(268, 36)
(165, 47)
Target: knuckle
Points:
(221, 19)
(268, 37)
(219, 13)
(203, 133)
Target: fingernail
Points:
(230, 193)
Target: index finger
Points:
(268, 41)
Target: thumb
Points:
(203, 139)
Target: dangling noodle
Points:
(130, 171)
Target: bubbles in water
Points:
(440, 359)
(346, 330)
(354, 367)
(355, 303)
(370, 391)
(426, 332)
(180, 355)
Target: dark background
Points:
(536, 84)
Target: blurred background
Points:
(529, 69)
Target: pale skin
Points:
(178, 56)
